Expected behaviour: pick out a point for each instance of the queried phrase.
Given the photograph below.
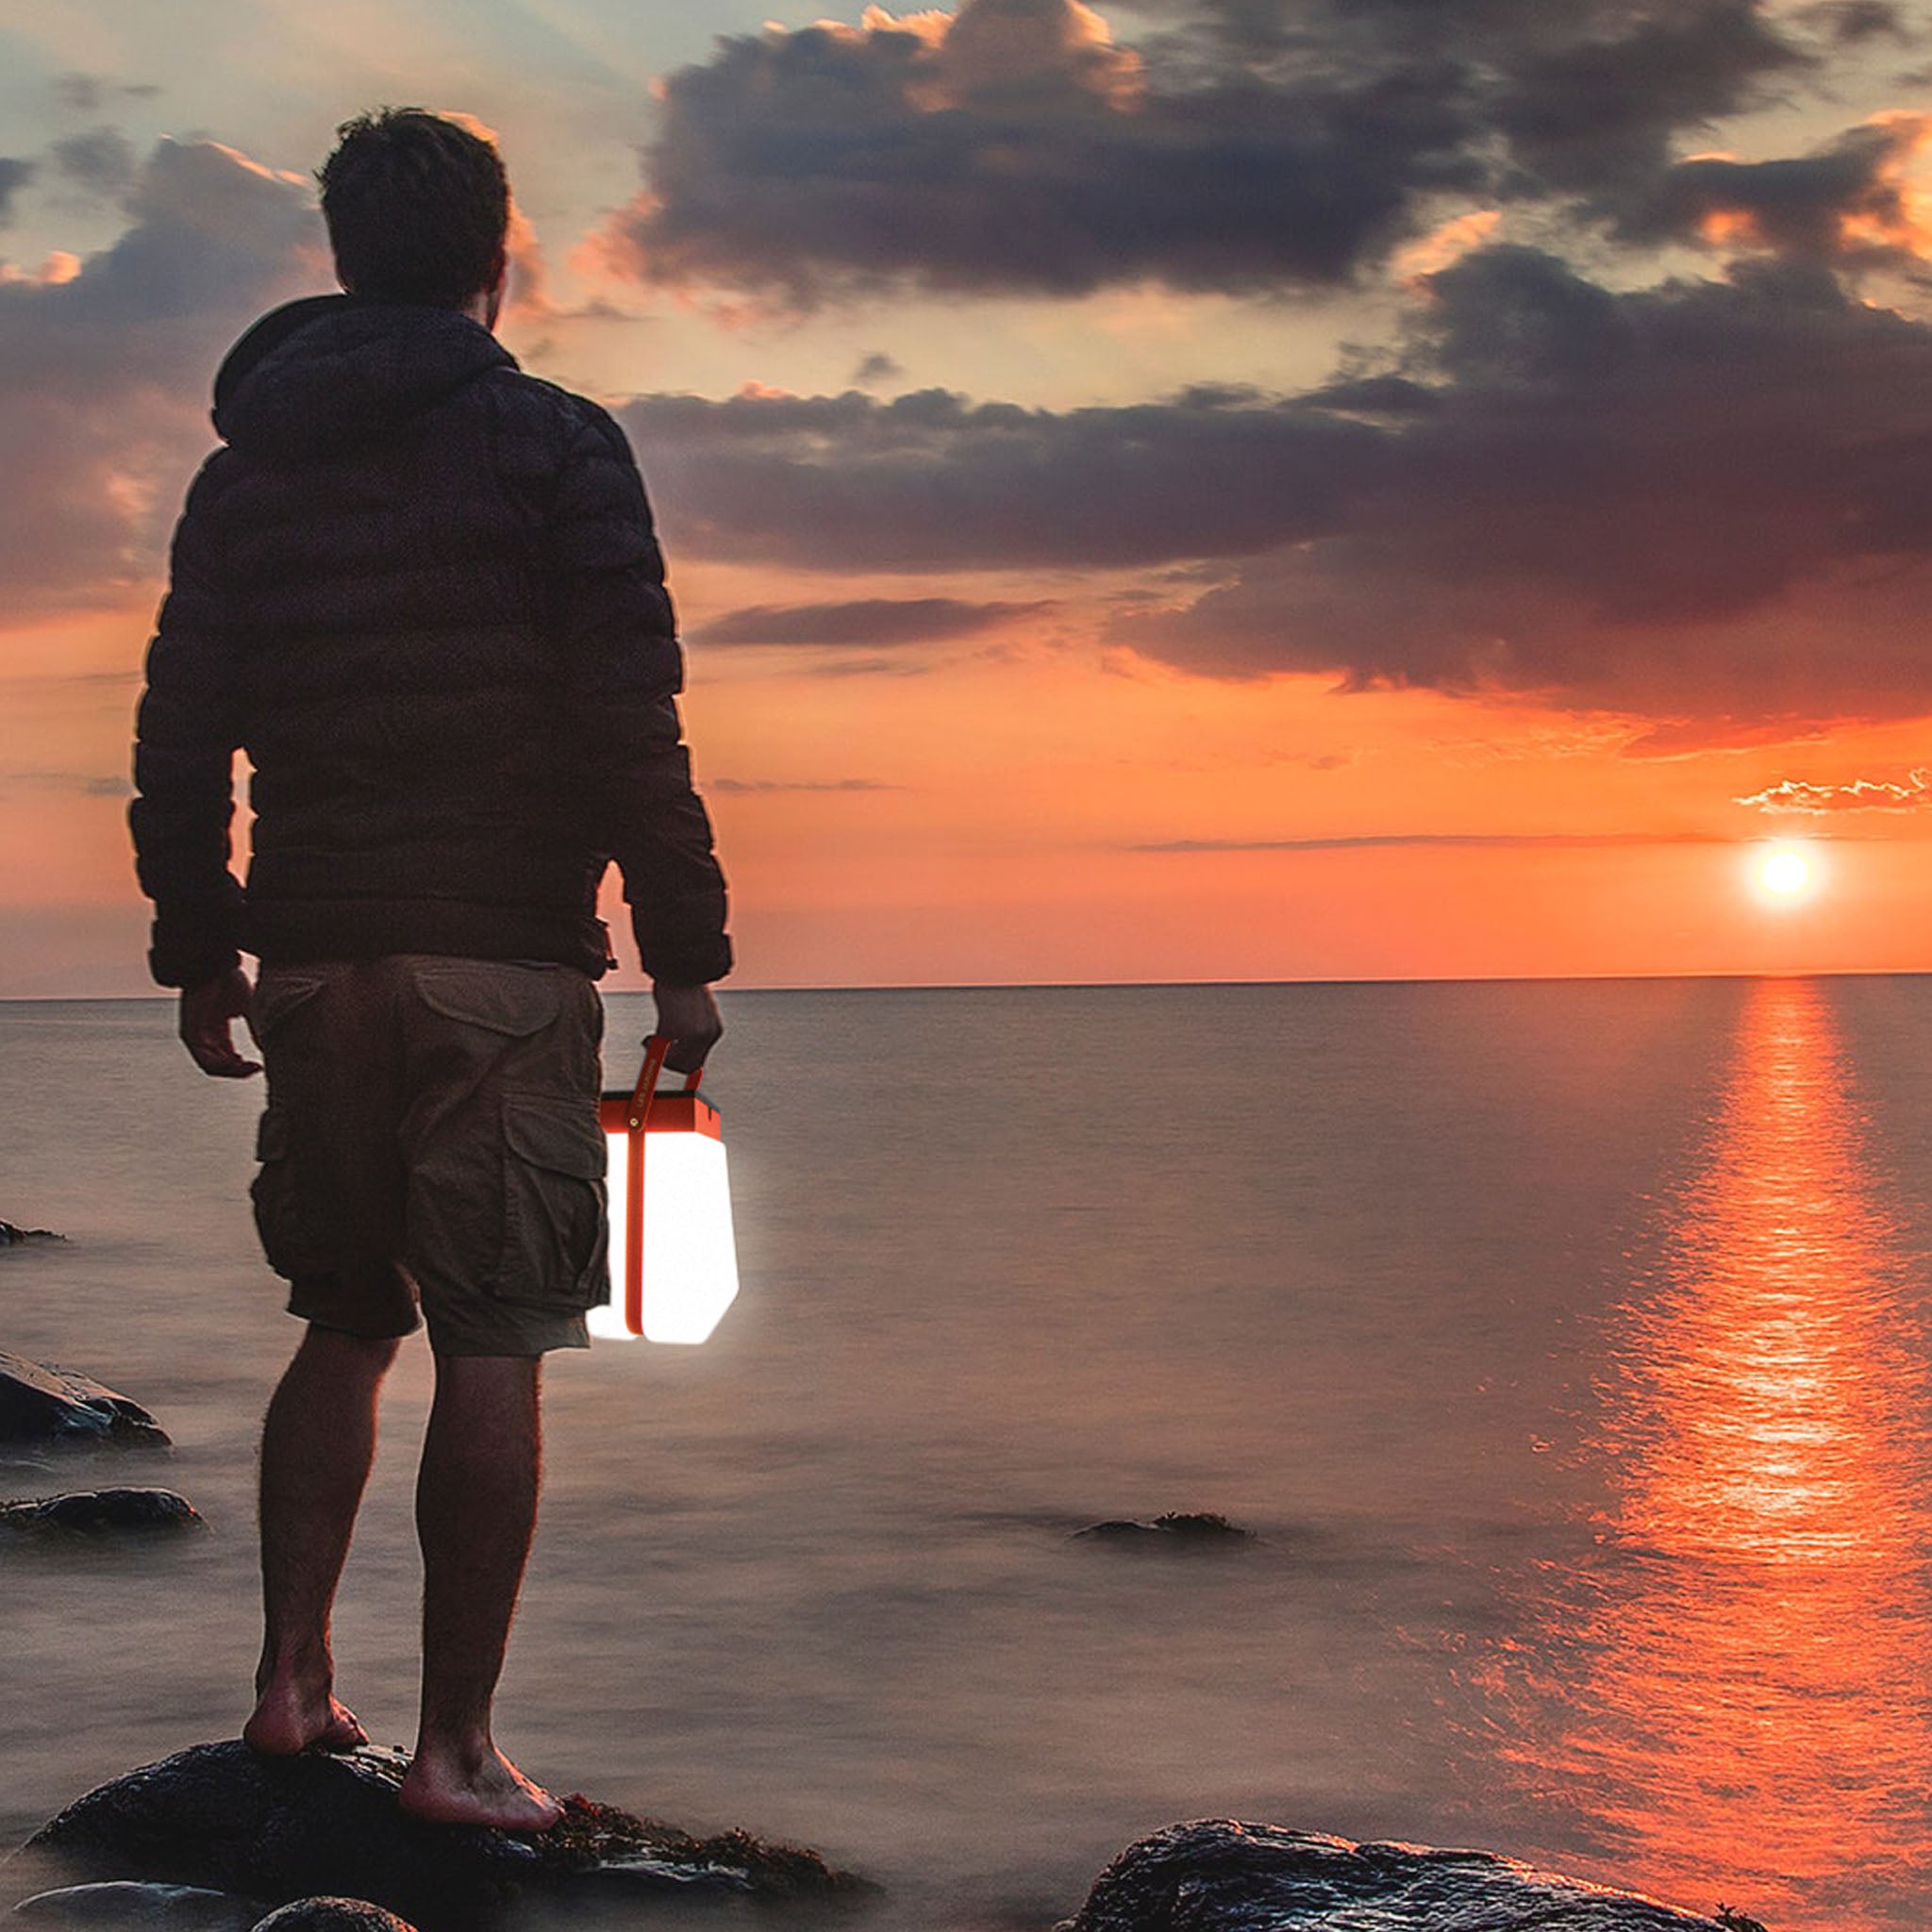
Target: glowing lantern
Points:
(673, 1264)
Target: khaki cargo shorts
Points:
(431, 1139)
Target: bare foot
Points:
(288, 1720)
(445, 1790)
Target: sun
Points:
(1785, 873)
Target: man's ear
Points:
(499, 282)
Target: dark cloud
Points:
(103, 160)
(930, 481)
(867, 620)
(82, 92)
(876, 367)
(104, 374)
(1849, 22)
(1595, 115)
(1708, 499)
(1850, 203)
(1012, 146)
(1705, 499)
(14, 176)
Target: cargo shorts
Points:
(431, 1141)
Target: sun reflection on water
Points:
(1736, 1687)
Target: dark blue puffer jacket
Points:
(420, 590)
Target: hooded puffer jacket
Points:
(420, 590)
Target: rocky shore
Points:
(1222, 1876)
(217, 1839)
(218, 1819)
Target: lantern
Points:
(673, 1264)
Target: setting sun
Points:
(1783, 874)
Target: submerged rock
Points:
(53, 1407)
(103, 1512)
(121, 1904)
(1220, 1875)
(282, 1829)
(1199, 1530)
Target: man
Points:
(420, 588)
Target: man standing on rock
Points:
(422, 591)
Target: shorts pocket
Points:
(554, 1246)
(515, 1001)
(291, 1239)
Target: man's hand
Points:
(208, 1012)
(689, 1015)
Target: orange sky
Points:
(1452, 602)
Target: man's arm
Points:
(621, 670)
(186, 734)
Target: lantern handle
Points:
(656, 1046)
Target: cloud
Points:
(1911, 794)
(1012, 146)
(930, 481)
(869, 620)
(104, 363)
(876, 367)
(1851, 203)
(1598, 111)
(102, 160)
(1851, 22)
(1706, 500)
(14, 174)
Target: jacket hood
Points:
(318, 376)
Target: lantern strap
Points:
(656, 1048)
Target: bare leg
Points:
(317, 1445)
(476, 1510)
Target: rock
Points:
(55, 1407)
(121, 1904)
(332, 1915)
(1220, 1875)
(12, 1237)
(281, 1829)
(1199, 1531)
(100, 1512)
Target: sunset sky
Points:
(1203, 489)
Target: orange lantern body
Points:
(673, 1262)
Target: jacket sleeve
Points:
(186, 734)
(621, 670)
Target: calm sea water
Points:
(1565, 1345)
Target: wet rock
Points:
(12, 1237)
(120, 1904)
(49, 1407)
(1219, 1875)
(283, 1829)
(332, 1915)
(1201, 1530)
(104, 1512)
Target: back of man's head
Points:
(417, 208)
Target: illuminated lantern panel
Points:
(675, 1283)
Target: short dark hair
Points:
(417, 208)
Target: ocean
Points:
(1564, 1346)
